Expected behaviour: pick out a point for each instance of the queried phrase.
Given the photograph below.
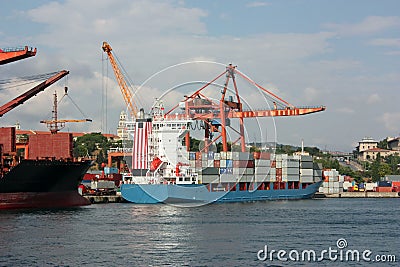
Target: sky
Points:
(344, 55)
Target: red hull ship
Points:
(46, 176)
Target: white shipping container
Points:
(223, 155)
(222, 163)
(306, 172)
(260, 178)
(291, 171)
(249, 171)
(292, 178)
(239, 171)
(370, 186)
(290, 164)
(228, 178)
(278, 164)
(229, 155)
(217, 156)
(192, 163)
(321, 190)
(210, 163)
(325, 190)
(262, 162)
(346, 185)
(325, 184)
(341, 178)
(307, 179)
(335, 184)
(261, 170)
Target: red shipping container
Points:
(256, 155)
(217, 163)
(396, 183)
(58, 145)
(8, 139)
(278, 172)
(265, 155)
(383, 189)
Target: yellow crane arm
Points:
(126, 92)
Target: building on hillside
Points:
(394, 143)
(371, 154)
(121, 129)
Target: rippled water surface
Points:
(213, 235)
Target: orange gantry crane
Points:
(8, 55)
(126, 91)
(215, 115)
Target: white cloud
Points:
(258, 4)
(373, 99)
(391, 121)
(370, 25)
(391, 42)
(311, 95)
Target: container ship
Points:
(165, 170)
(46, 176)
(177, 176)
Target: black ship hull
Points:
(43, 183)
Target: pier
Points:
(104, 199)
(359, 195)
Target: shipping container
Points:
(291, 171)
(57, 146)
(192, 155)
(8, 139)
(384, 184)
(306, 172)
(306, 165)
(307, 179)
(228, 178)
(383, 189)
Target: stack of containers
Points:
(263, 172)
(333, 182)
(307, 169)
(290, 168)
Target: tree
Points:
(383, 144)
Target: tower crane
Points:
(199, 107)
(126, 91)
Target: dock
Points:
(104, 199)
(359, 195)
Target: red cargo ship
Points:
(46, 176)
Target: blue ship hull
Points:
(199, 193)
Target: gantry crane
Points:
(126, 91)
(215, 115)
(55, 125)
(8, 55)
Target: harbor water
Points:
(124, 234)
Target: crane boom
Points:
(14, 54)
(31, 93)
(126, 91)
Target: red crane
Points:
(8, 55)
(31, 93)
(200, 107)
